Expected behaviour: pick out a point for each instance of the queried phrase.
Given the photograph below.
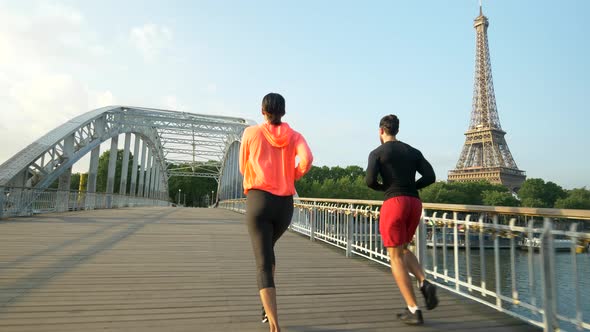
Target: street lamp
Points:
(178, 199)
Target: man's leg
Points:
(400, 274)
(413, 265)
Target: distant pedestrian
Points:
(397, 163)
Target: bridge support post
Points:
(132, 185)
(63, 191)
(548, 277)
(63, 188)
(125, 167)
(148, 173)
(153, 176)
(92, 173)
(141, 169)
(2, 199)
(157, 181)
(111, 173)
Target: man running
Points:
(397, 163)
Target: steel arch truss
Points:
(230, 186)
(198, 143)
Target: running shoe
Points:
(410, 318)
(429, 292)
(264, 316)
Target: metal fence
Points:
(16, 201)
(529, 263)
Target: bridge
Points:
(127, 260)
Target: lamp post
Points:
(178, 199)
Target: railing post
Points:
(312, 219)
(468, 252)
(497, 261)
(434, 244)
(548, 277)
(421, 239)
(456, 249)
(574, 272)
(349, 231)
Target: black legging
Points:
(268, 216)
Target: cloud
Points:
(97, 99)
(38, 88)
(171, 102)
(211, 88)
(47, 100)
(60, 12)
(150, 40)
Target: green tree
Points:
(194, 191)
(446, 193)
(75, 181)
(498, 198)
(354, 171)
(460, 192)
(576, 199)
(349, 182)
(103, 170)
(536, 193)
(333, 182)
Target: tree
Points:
(536, 193)
(103, 170)
(497, 198)
(471, 193)
(194, 191)
(576, 199)
(443, 192)
(75, 181)
(336, 182)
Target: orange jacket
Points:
(267, 158)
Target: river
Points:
(566, 292)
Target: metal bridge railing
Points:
(15, 201)
(529, 263)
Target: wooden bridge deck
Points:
(175, 269)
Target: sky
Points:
(341, 65)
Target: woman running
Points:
(267, 161)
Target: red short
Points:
(399, 219)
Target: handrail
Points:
(525, 211)
(23, 201)
(456, 244)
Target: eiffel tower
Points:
(485, 154)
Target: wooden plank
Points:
(174, 269)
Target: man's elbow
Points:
(428, 180)
(431, 179)
(371, 183)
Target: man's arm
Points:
(372, 173)
(427, 172)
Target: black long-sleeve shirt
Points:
(397, 163)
